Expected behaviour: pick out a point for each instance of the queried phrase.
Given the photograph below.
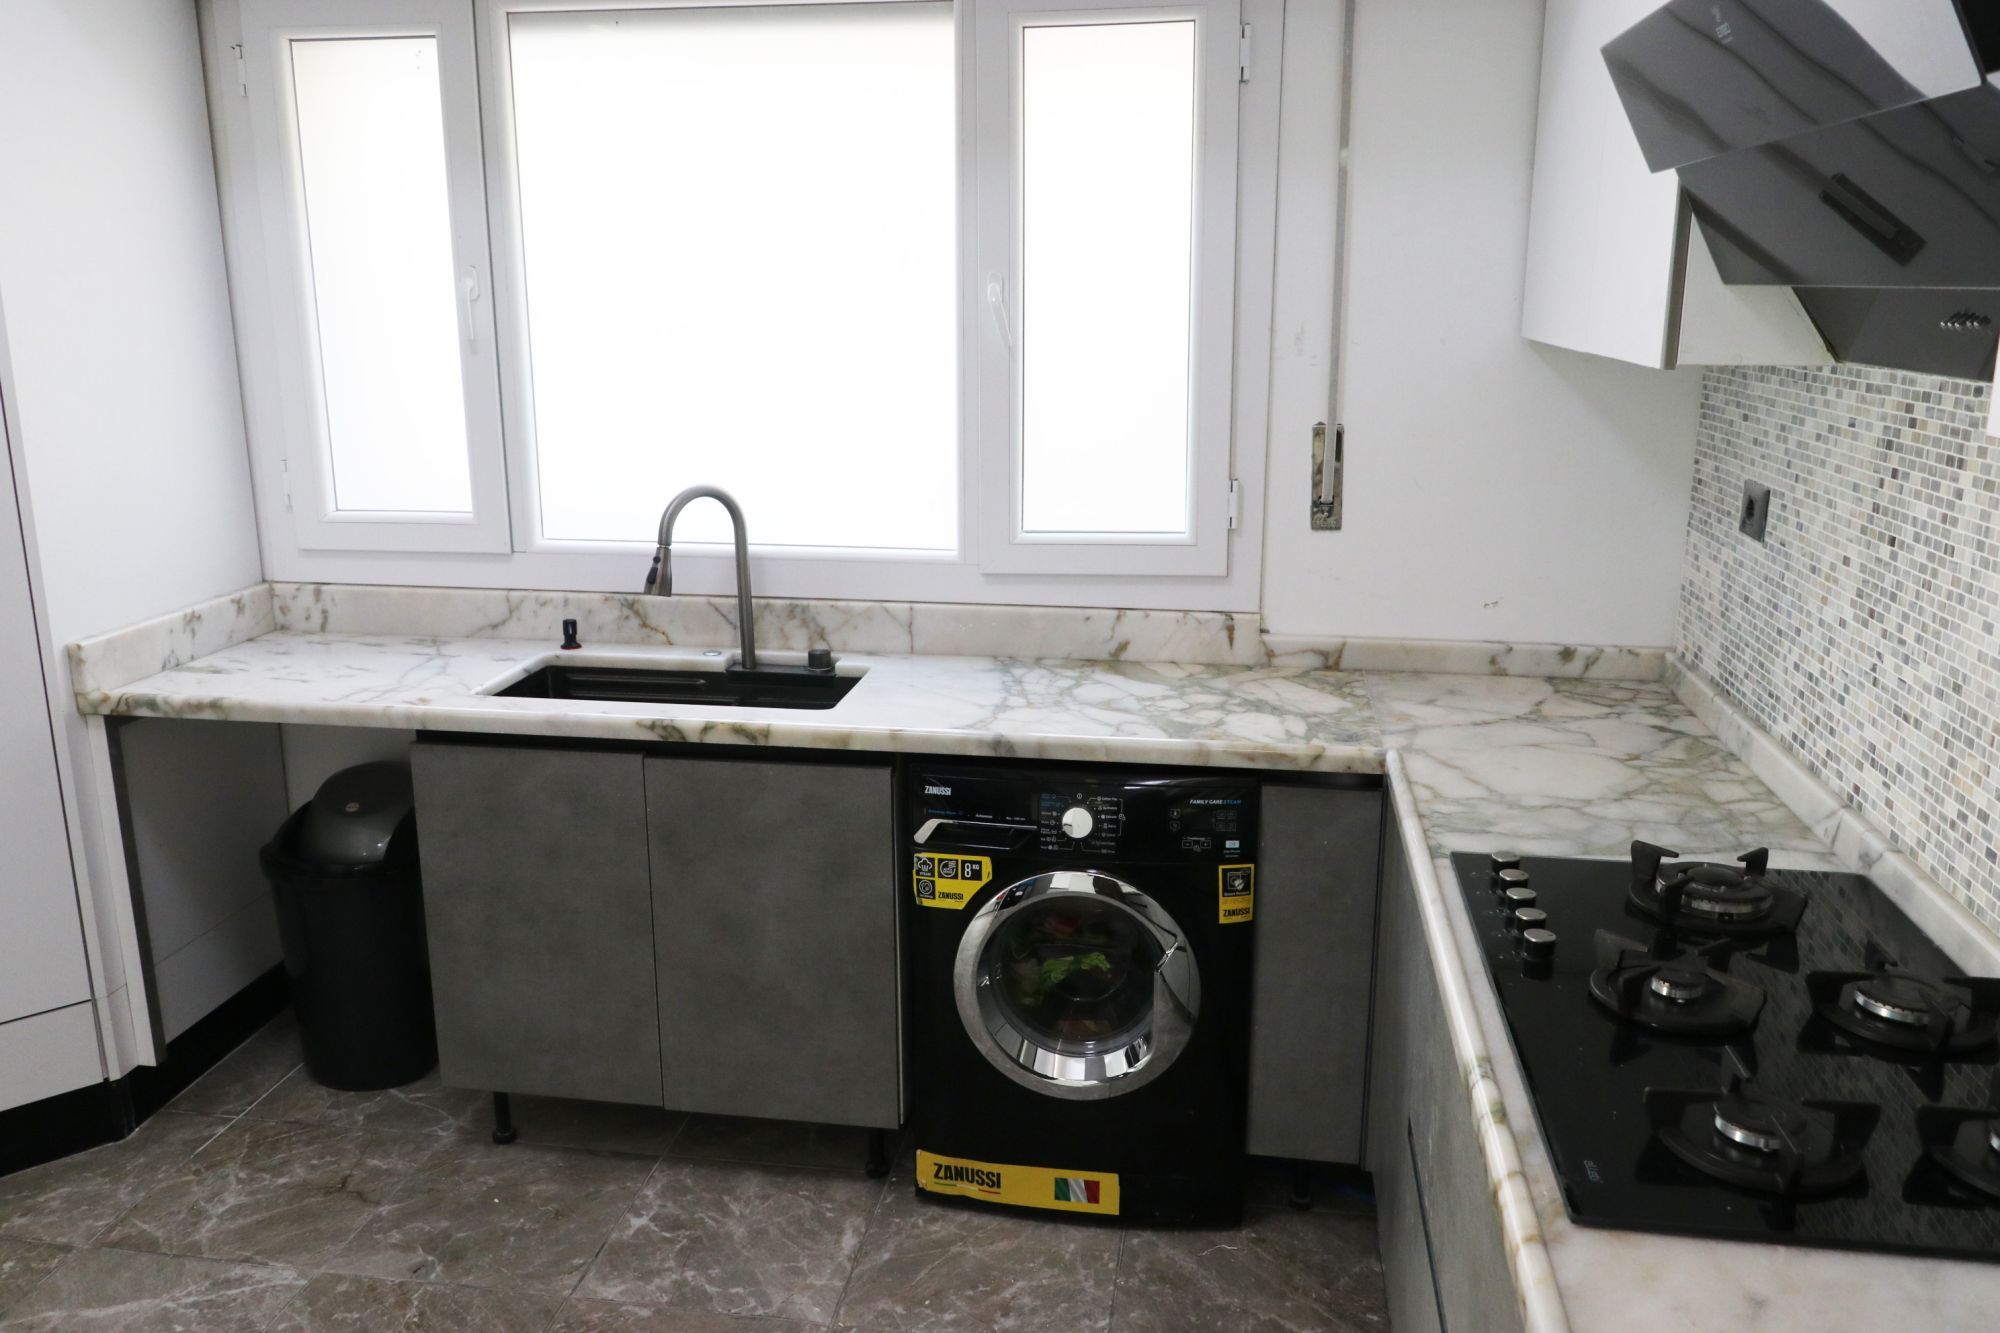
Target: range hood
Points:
(1849, 149)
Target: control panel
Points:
(1084, 820)
(1067, 814)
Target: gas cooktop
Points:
(1728, 1050)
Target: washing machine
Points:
(1080, 1017)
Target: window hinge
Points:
(1235, 503)
(1243, 55)
(242, 79)
(285, 479)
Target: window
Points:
(368, 154)
(736, 247)
(944, 293)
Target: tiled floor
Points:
(260, 1201)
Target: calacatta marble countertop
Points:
(1548, 766)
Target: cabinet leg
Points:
(503, 1119)
(878, 1153)
(1302, 1185)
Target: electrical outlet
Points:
(1756, 512)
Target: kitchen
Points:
(1447, 520)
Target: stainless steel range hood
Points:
(1849, 149)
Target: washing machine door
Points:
(1077, 985)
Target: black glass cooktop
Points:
(1848, 1108)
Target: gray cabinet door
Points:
(540, 919)
(1443, 1251)
(775, 917)
(1313, 975)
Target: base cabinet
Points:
(775, 937)
(539, 908)
(1442, 1248)
(702, 934)
(1317, 873)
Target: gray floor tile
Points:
(246, 1073)
(559, 1122)
(1282, 1271)
(737, 1239)
(273, 1192)
(131, 1292)
(426, 1106)
(338, 1303)
(519, 1217)
(23, 1264)
(927, 1266)
(70, 1201)
(724, 1138)
(588, 1316)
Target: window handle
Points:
(996, 301)
(468, 293)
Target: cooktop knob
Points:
(1077, 822)
(1511, 879)
(1530, 918)
(1518, 897)
(1538, 945)
(1506, 861)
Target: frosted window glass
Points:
(739, 234)
(371, 150)
(1107, 181)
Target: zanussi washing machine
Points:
(1081, 972)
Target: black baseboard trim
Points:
(107, 1112)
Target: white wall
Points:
(124, 368)
(119, 367)
(1496, 489)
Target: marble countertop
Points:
(1548, 766)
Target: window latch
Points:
(996, 301)
(468, 293)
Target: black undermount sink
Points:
(734, 687)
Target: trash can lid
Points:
(355, 813)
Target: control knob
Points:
(1078, 822)
(1538, 945)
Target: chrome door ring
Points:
(1094, 1070)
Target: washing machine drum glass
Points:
(1077, 985)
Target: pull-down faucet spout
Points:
(660, 579)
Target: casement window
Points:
(944, 293)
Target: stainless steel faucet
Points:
(660, 579)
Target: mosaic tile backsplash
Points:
(1861, 633)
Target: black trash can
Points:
(351, 915)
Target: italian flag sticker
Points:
(1075, 1189)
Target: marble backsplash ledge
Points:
(1861, 633)
(106, 661)
(1203, 638)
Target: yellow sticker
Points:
(949, 881)
(1237, 891)
(1022, 1186)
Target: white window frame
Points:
(1220, 569)
(269, 26)
(1005, 547)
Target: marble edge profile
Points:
(119, 657)
(1329, 757)
(1855, 840)
(1541, 1304)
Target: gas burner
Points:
(1966, 1142)
(1898, 1009)
(1709, 898)
(1678, 995)
(1766, 1144)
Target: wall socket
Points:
(1756, 512)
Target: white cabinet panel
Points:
(41, 945)
(48, 1054)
